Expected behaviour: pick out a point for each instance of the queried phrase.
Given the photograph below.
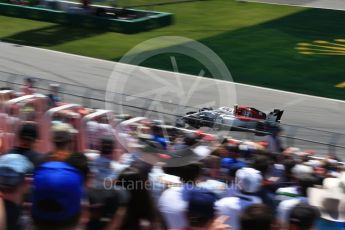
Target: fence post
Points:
(146, 106)
(333, 141)
(292, 132)
(10, 83)
(87, 97)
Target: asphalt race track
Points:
(301, 110)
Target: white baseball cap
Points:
(300, 171)
(249, 180)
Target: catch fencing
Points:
(322, 141)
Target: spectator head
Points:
(54, 88)
(140, 205)
(300, 171)
(262, 163)
(190, 173)
(187, 173)
(27, 134)
(190, 139)
(201, 210)
(63, 135)
(57, 194)
(157, 130)
(233, 151)
(258, 216)
(211, 163)
(248, 180)
(107, 145)
(289, 164)
(13, 169)
(303, 217)
(29, 82)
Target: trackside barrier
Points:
(330, 142)
(149, 20)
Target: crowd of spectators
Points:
(226, 190)
(230, 187)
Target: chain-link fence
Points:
(323, 142)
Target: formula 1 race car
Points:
(239, 118)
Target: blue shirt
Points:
(323, 224)
(161, 140)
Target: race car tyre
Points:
(218, 124)
(180, 123)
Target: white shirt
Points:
(233, 206)
(285, 207)
(173, 208)
(157, 187)
(287, 193)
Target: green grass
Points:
(256, 41)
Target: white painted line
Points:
(293, 5)
(183, 74)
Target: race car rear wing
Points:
(275, 115)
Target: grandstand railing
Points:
(322, 141)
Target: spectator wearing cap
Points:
(63, 134)
(248, 182)
(201, 213)
(285, 207)
(57, 194)
(27, 136)
(13, 186)
(63, 141)
(258, 216)
(303, 217)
